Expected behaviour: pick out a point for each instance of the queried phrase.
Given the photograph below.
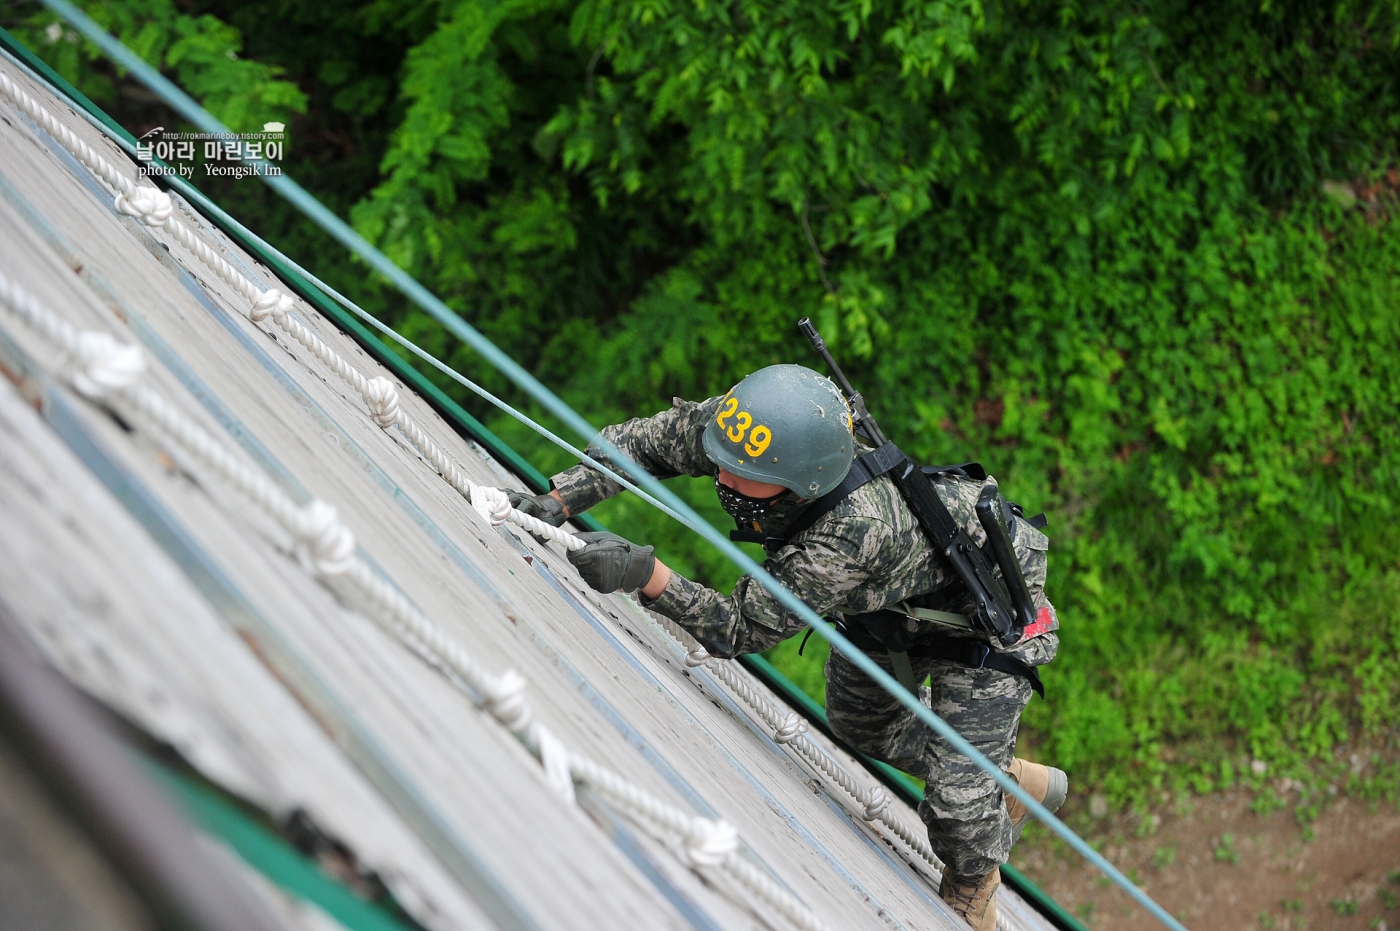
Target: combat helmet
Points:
(785, 425)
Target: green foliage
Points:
(808, 665)
(201, 53)
(1139, 260)
(1163, 857)
(1225, 852)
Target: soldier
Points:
(780, 444)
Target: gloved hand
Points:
(610, 562)
(545, 507)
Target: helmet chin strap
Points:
(743, 508)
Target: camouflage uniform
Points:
(867, 554)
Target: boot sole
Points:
(1054, 798)
(1059, 789)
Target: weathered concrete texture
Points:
(159, 590)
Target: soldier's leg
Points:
(968, 826)
(870, 719)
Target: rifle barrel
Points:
(809, 330)
(863, 420)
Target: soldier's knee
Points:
(969, 797)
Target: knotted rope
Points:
(383, 400)
(324, 545)
(151, 206)
(102, 368)
(97, 364)
(872, 804)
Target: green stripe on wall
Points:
(271, 855)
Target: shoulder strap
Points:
(972, 470)
(864, 470)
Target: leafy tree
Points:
(202, 53)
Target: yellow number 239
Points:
(758, 439)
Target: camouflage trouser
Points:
(963, 808)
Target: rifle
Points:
(1003, 605)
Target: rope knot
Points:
(876, 804)
(492, 504)
(709, 843)
(96, 363)
(150, 205)
(697, 657)
(323, 544)
(793, 727)
(505, 699)
(554, 757)
(383, 400)
(273, 303)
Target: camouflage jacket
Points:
(866, 554)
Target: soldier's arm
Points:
(666, 445)
(820, 570)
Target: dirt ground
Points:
(1215, 864)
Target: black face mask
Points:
(742, 508)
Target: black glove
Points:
(610, 562)
(544, 507)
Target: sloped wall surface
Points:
(161, 587)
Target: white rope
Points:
(872, 804)
(155, 208)
(383, 400)
(65, 136)
(99, 365)
(96, 363)
(324, 545)
(104, 369)
(554, 756)
(151, 206)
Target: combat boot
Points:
(1046, 784)
(971, 898)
